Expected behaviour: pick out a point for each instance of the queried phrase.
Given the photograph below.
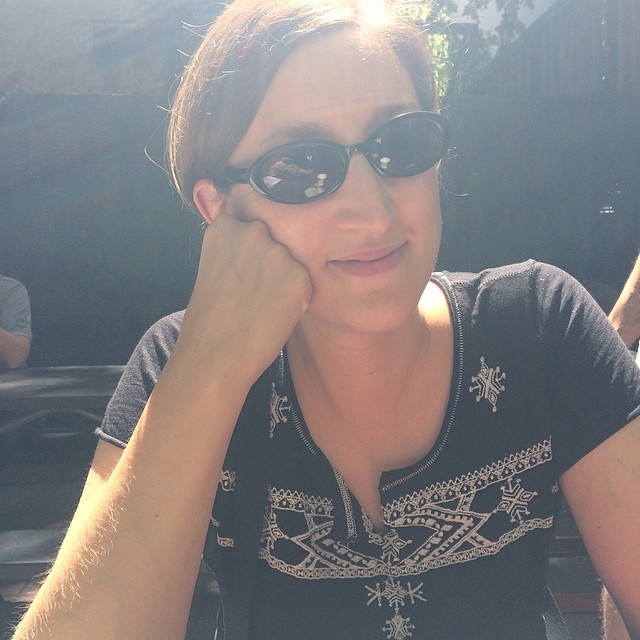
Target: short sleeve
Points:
(594, 383)
(15, 308)
(138, 380)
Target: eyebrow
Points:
(315, 130)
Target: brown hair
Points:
(225, 81)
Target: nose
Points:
(364, 200)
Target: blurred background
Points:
(545, 98)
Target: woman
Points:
(402, 480)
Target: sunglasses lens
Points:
(302, 172)
(408, 145)
(299, 173)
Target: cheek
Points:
(423, 201)
(240, 205)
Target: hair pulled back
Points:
(224, 83)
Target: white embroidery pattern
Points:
(227, 480)
(391, 544)
(225, 542)
(488, 384)
(399, 627)
(395, 594)
(271, 531)
(279, 409)
(437, 526)
(455, 531)
(515, 500)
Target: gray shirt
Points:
(15, 310)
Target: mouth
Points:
(371, 261)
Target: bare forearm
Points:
(130, 560)
(129, 563)
(14, 350)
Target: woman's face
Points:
(371, 246)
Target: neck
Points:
(345, 367)
(375, 401)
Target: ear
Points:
(208, 199)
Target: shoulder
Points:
(9, 286)
(139, 378)
(7, 282)
(528, 274)
(527, 283)
(156, 345)
(152, 352)
(165, 331)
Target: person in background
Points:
(361, 448)
(625, 315)
(15, 324)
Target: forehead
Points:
(334, 87)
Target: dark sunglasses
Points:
(308, 170)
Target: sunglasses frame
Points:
(344, 152)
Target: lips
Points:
(371, 261)
(367, 255)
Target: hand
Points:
(248, 297)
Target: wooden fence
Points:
(577, 48)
